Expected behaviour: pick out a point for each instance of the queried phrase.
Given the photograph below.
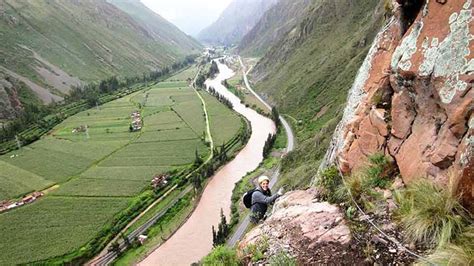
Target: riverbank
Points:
(217, 193)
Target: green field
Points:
(100, 172)
(224, 123)
(53, 226)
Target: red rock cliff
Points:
(416, 100)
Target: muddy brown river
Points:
(194, 239)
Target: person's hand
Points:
(281, 191)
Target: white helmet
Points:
(263, 178)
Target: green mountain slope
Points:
(308, 72)
(235, 21)
(52, 45)
(273, 26)
(157, 26)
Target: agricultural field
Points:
(100, 166)
(224, 122)
(186, 74)
(53, 226)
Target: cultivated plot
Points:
(100, 166)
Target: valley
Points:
(100, 167)
(125, 141)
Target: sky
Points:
(191, 16)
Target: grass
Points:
(53, 226)
(429, 214)
(224, 123)
(89, 187)
(111, 166)
(186, 74)
(460, 252)
(15, 181)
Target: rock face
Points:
(10, 103)
(311, 231)
(416, 101)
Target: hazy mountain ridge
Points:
(53, 45)
(157, 26)
(273, 26)
(235, 21)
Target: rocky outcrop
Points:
(10, 104)
(416, 99)
(311, 231)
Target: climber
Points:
(261, 198)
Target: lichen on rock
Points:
(430, 74)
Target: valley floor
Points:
(99, 167)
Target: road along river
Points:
(194, 239)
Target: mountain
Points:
(274, 25)
(53, 45)
(403, 135)
(156, 25)
(235, 21)
(308, 71)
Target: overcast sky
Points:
(190, 16)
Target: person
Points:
(261, 198)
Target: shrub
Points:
(330, 181)
(222, 255)
(460, 253)
(282, 258)
(379, 171)
(256, 251)
(430, 214)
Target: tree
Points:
(268, 145)
(220, 237)
(197, 160)
(214, 236)
(214, 70)
(115, 248)
(197, 181)
(276, 117)
(125, 239)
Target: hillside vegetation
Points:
(274, 25)
(235, 21)
(308, 72)
(53, 45)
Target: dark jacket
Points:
(260, 201)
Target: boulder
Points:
(311, 231)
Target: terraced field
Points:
(101, 170)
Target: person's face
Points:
(264, 185)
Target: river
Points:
(194, 239)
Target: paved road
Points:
(274, 178)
